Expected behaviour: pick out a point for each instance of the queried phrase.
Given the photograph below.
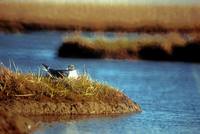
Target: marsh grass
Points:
(38, 87)
(120, 47)
(105, 17)
(171, 47)
(120, 42)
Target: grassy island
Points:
(170, 47)
(31, 95)
(39, 95)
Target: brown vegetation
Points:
(171, 47)
(23, 16)
(28, 94)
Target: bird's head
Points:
(71, 67)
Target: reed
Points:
(171, 47)
(104, 17)
(119, 47)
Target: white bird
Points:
(72, 72)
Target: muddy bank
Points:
(155, 49)
(32, 107)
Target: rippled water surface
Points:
(169, 93)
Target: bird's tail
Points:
(45, 67)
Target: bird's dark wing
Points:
(63, 72)
(57, 73)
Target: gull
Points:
(69, 72)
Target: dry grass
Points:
(119, 47)
(16, 84)
(171, 47)
(103, 16)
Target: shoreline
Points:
(8, 26)
(38, 108)
(23, 96)
(32, 16)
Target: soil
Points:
(25, 106)
(19, 119)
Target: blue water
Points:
(169, 93)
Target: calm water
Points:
(169, 93)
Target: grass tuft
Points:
(37, 87)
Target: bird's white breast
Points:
(73, 74)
